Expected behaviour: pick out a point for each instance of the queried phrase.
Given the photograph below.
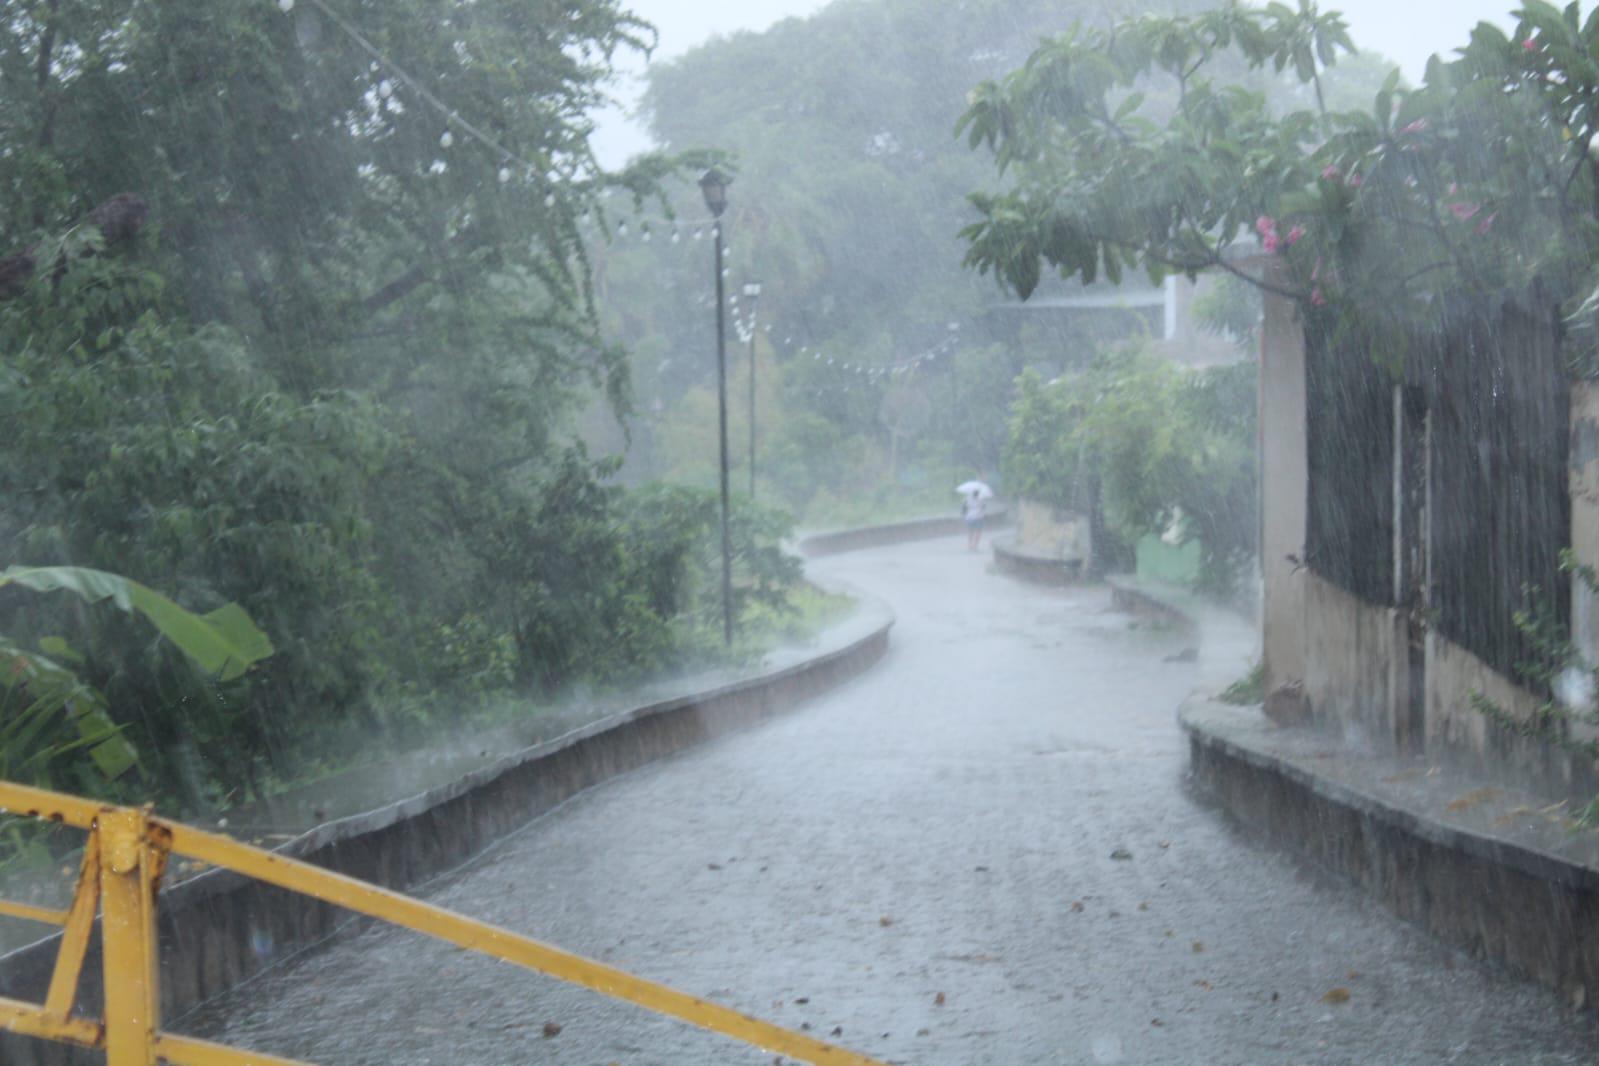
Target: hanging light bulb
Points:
(505, 175)
(446, 139)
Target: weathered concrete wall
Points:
(1048, 531)
(219, 929)
(1585, 521)
(1352, 653)
(1284, 473)
(1460, 733)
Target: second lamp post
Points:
(752, 296)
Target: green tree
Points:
(1479, 181)
(299, 314)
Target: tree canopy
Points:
(321, 357)
(1482, 180)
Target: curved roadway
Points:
(983, 851)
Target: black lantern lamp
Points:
(713, 184)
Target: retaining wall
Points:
(218, 929)
(1030, 566)
(815, 545)
(1527, 908)
(1481, 868)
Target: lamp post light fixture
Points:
(713, 184)
(752, 295)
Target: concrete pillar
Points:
(1284, 477)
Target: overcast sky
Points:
(1407, 31)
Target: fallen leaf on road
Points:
(1199, 945)
(838, 1030)
(552, 1029)
(1352, 974)
(713, 866)
(938, 1000)
(923, 1032)
(1077, 905)
(1143, 905)
(1156, 1022)
(885, 921)
(1122, 854)
(1336, 995)
(1471, 799)
(802, 999)
(1206, 985)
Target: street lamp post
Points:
(752, 293)
(713, 184)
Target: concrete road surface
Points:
(981, 852)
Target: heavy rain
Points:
(881, 531)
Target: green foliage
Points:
(333, 380)
(1247, 690)
(224, 643)
(56, 730)
(1231, 307)
(848, 182)
(1479, 182)
(1157, 440)
(1568, 718)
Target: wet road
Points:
(981, 852)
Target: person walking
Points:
(974, 508)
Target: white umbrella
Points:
(979, 487)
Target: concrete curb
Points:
(1520, 906)
(219, 929)
(1038, 569)
(816, 545)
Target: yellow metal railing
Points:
(120, 876)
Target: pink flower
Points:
(1530, 44)
(1487, 224)
(1271, 242)
(1294, 235)
(1454, 187)
(1356, 181)
(1266, 226)
(1463, 211)
(1316, 298)
(1415, 127)
(1330, 172)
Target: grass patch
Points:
(1247, 690)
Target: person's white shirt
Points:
(976, 506)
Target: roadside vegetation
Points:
(281, 328)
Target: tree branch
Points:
(47, 45)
